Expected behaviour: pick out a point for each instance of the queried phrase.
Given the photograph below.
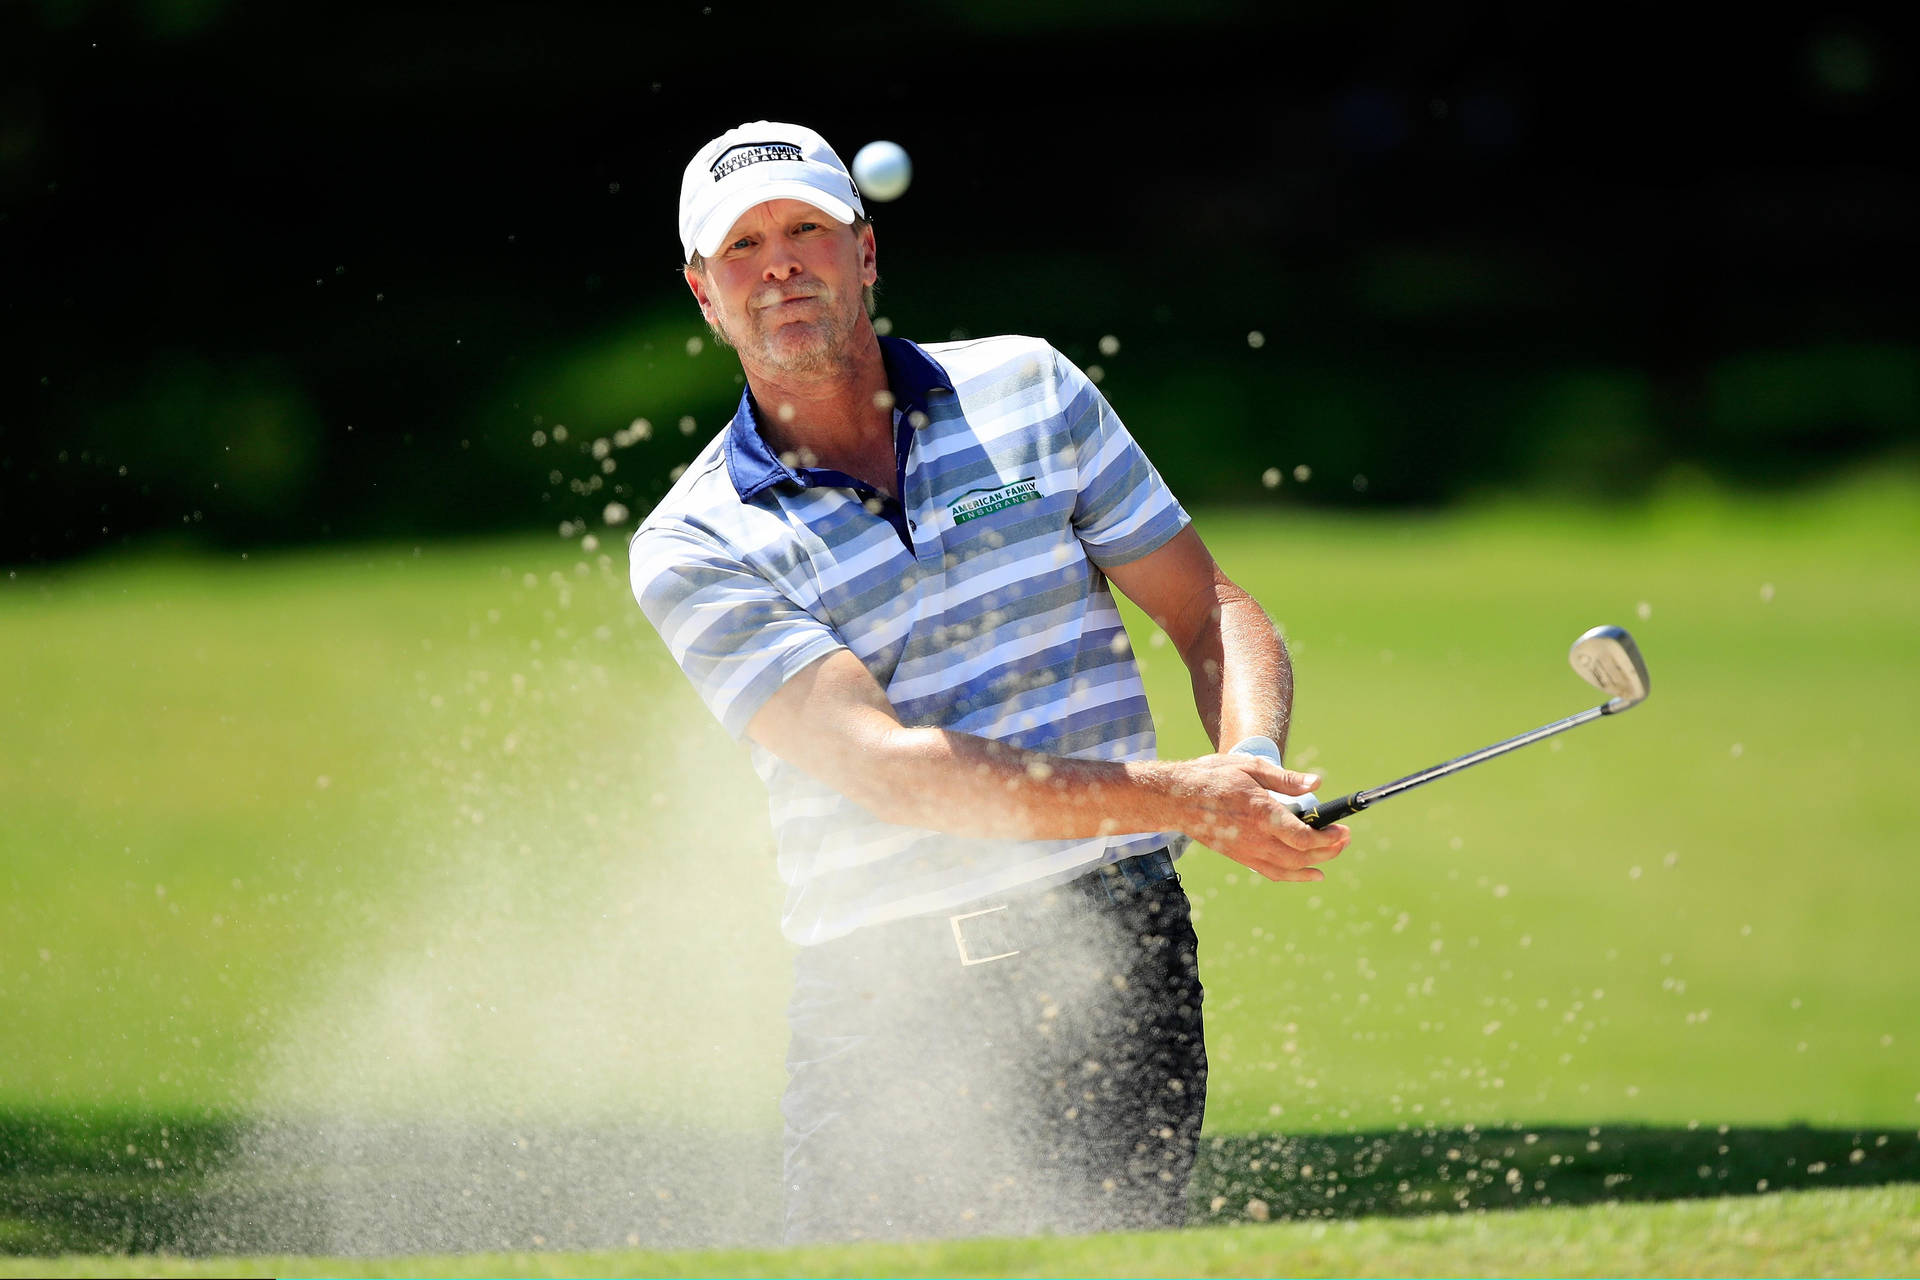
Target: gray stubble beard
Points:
(826, 354)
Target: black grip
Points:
(1328, 812)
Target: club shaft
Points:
(1372, 795)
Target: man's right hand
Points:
(1228, 803)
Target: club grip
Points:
(1328, 812)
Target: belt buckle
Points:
(960, 937)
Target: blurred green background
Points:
(393, 829)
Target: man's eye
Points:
(808, 226)
(741, 243)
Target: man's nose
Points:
(782, 265)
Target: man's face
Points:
(786, 287)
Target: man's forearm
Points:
(1242, 680)
(973, 786)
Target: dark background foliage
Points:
(275, 273)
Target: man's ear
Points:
(698, 283)
(869, 257)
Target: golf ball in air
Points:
(882, 171)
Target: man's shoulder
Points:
(703, 496)
(982, 361)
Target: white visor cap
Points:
(752, 164)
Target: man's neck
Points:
(839, 418)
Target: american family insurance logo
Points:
(984, 502)
(734, 159)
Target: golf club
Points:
(1605, 657)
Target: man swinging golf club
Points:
(890, 575)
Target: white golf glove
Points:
(1268, 749)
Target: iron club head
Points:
(1608, 659)
(1605, 657)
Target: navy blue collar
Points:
(912, 376)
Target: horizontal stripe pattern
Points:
(1000, 624)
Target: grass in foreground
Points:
(139, 1185)
(1874, 1232)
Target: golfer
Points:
(891, 576)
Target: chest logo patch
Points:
(984, 502)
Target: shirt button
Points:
(912, 527)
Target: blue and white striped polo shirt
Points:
(977, 602)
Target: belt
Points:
(991, 933)
(1119, 881)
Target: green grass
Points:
(1690, 913)
(235, 789)
(140, 1184)
(1821, 1233)
(399, 831)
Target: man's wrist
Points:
(1157, 787)
(1263, 747)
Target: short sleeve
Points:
(733, 632)
(1123, 509)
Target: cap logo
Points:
(736, 158)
